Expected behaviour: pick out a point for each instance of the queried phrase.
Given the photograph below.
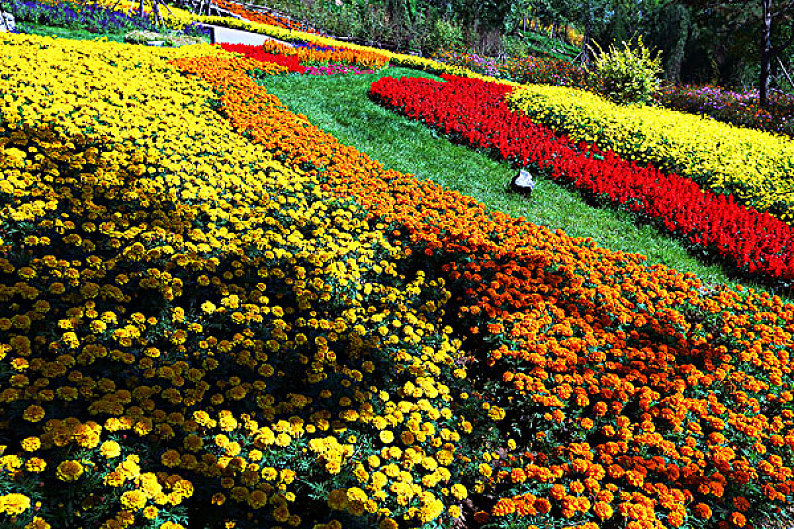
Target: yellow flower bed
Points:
(755, 166)
(181, 316)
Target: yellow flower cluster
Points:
(753, 165)
(196, 320)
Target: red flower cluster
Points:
(474, 112)
(292, 62)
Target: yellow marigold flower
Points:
(114, 479)
(388, 523)
(386, 436)
(133, 500)
(33, 413)
(459, 491)
(38, 523)
(150, 512)
(14, 504)
(257, 499)
(355, 494)
(70, 470)
(281, 514)
(170, 458)
(496, 413)
(110, 449)
(31, 444)
(218, 499)
(36, 464)
(337, 499)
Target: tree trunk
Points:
(766, 53)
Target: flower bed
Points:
(475, 112)
(620, 394)
(227, 339)
(291, 63)
(270, 19)
(738, 108)
(753, 166)
(309, 55)
(192, 334)
(528, 69)
(93, 18)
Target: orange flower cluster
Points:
(263, 18)
(316, 53)
(634, 394)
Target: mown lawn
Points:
(340, 105)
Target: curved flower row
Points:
(270, 19)
(622, 395)
(291, 63)
(194, 335)
(738, 108)
(309, 55)
(752, 165)
(475, 112)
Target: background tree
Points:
(769, 19)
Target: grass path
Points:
(340, 106)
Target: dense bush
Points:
(628, 75)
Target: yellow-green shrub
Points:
(628, 75)
(755, 166)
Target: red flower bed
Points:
(474, 112)
(258, 53)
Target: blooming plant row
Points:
(737, 108)
(620, 395)
(526, 69)
(270, 19)
(475, 112)
(192, 334)
(93, 18)
(311, 53)
(292, 63)
(753, 166)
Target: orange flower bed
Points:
(263, 18)
(335, 55)
(626, 395)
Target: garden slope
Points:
(184, 319)
(625, 393)
(222, 330)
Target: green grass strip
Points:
(340, 106)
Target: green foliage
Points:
(444, 35)
(627, 75)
